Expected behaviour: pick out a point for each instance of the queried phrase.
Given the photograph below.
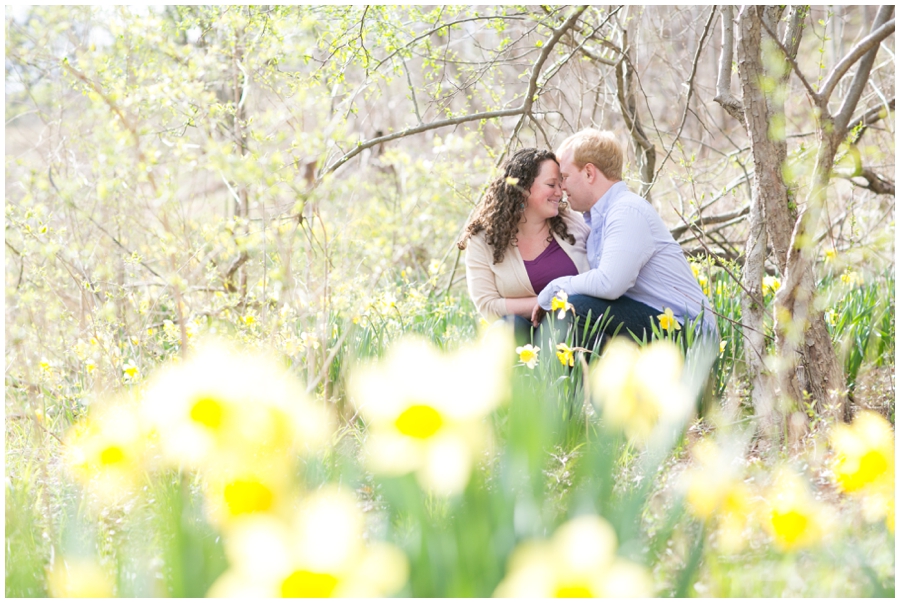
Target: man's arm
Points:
(627, 245)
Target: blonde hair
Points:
(597, 147)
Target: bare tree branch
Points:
(862, 47)
(861, 78)
(522, 111)
(717, 219)
(723, 83)
(869, 118)
(874, 182)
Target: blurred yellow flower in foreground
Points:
(221, 409)
(863, 463)
(426, 411)
(321, 553)
(715, 492)
(864, 452)
(793, 517)
(667, 321)
(77, 578)
(105, 452)
(639, 388)
(528, 355)
(565, 354)
(234, 496)
(561, 302)
(579, 561)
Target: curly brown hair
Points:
(503, 205)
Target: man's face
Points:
(574, 184)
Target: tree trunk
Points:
(801, 333)
(644, 151)
(769, 193)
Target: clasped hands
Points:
(537, 315)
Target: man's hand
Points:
(537, 315)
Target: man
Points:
(638, 271)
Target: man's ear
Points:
(590, 172)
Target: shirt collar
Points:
(602, 204)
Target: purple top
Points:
(553, 263)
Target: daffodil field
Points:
(454, 465)
(241, 359)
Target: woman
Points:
(519, 239)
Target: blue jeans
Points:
(625, 314)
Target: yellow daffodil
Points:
(863, 463)
(667, 321)
(106, 451)
(131, 370)
(770, 284)
(852, 279)
(704, 284)
(309, 340)
(565, 354)
(830, 255)
(864, 452)
(636, 388)
(512, 181)
(702, 279)
(224, 409)
(320, 553)
(722, 345)
(528, 355)
(426, 411)
(579, 561)
(793, 517)
(561, 302)
(78, 578)
(715, 493)
(234, 496)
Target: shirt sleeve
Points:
(481, 280)
(627, 245)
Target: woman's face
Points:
(546, 192)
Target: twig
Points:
(690, 93)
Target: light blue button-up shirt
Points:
(632, 253)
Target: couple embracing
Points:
(608, 250)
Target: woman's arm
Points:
(481, 282)
(522, 306)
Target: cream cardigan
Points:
(490, 284)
